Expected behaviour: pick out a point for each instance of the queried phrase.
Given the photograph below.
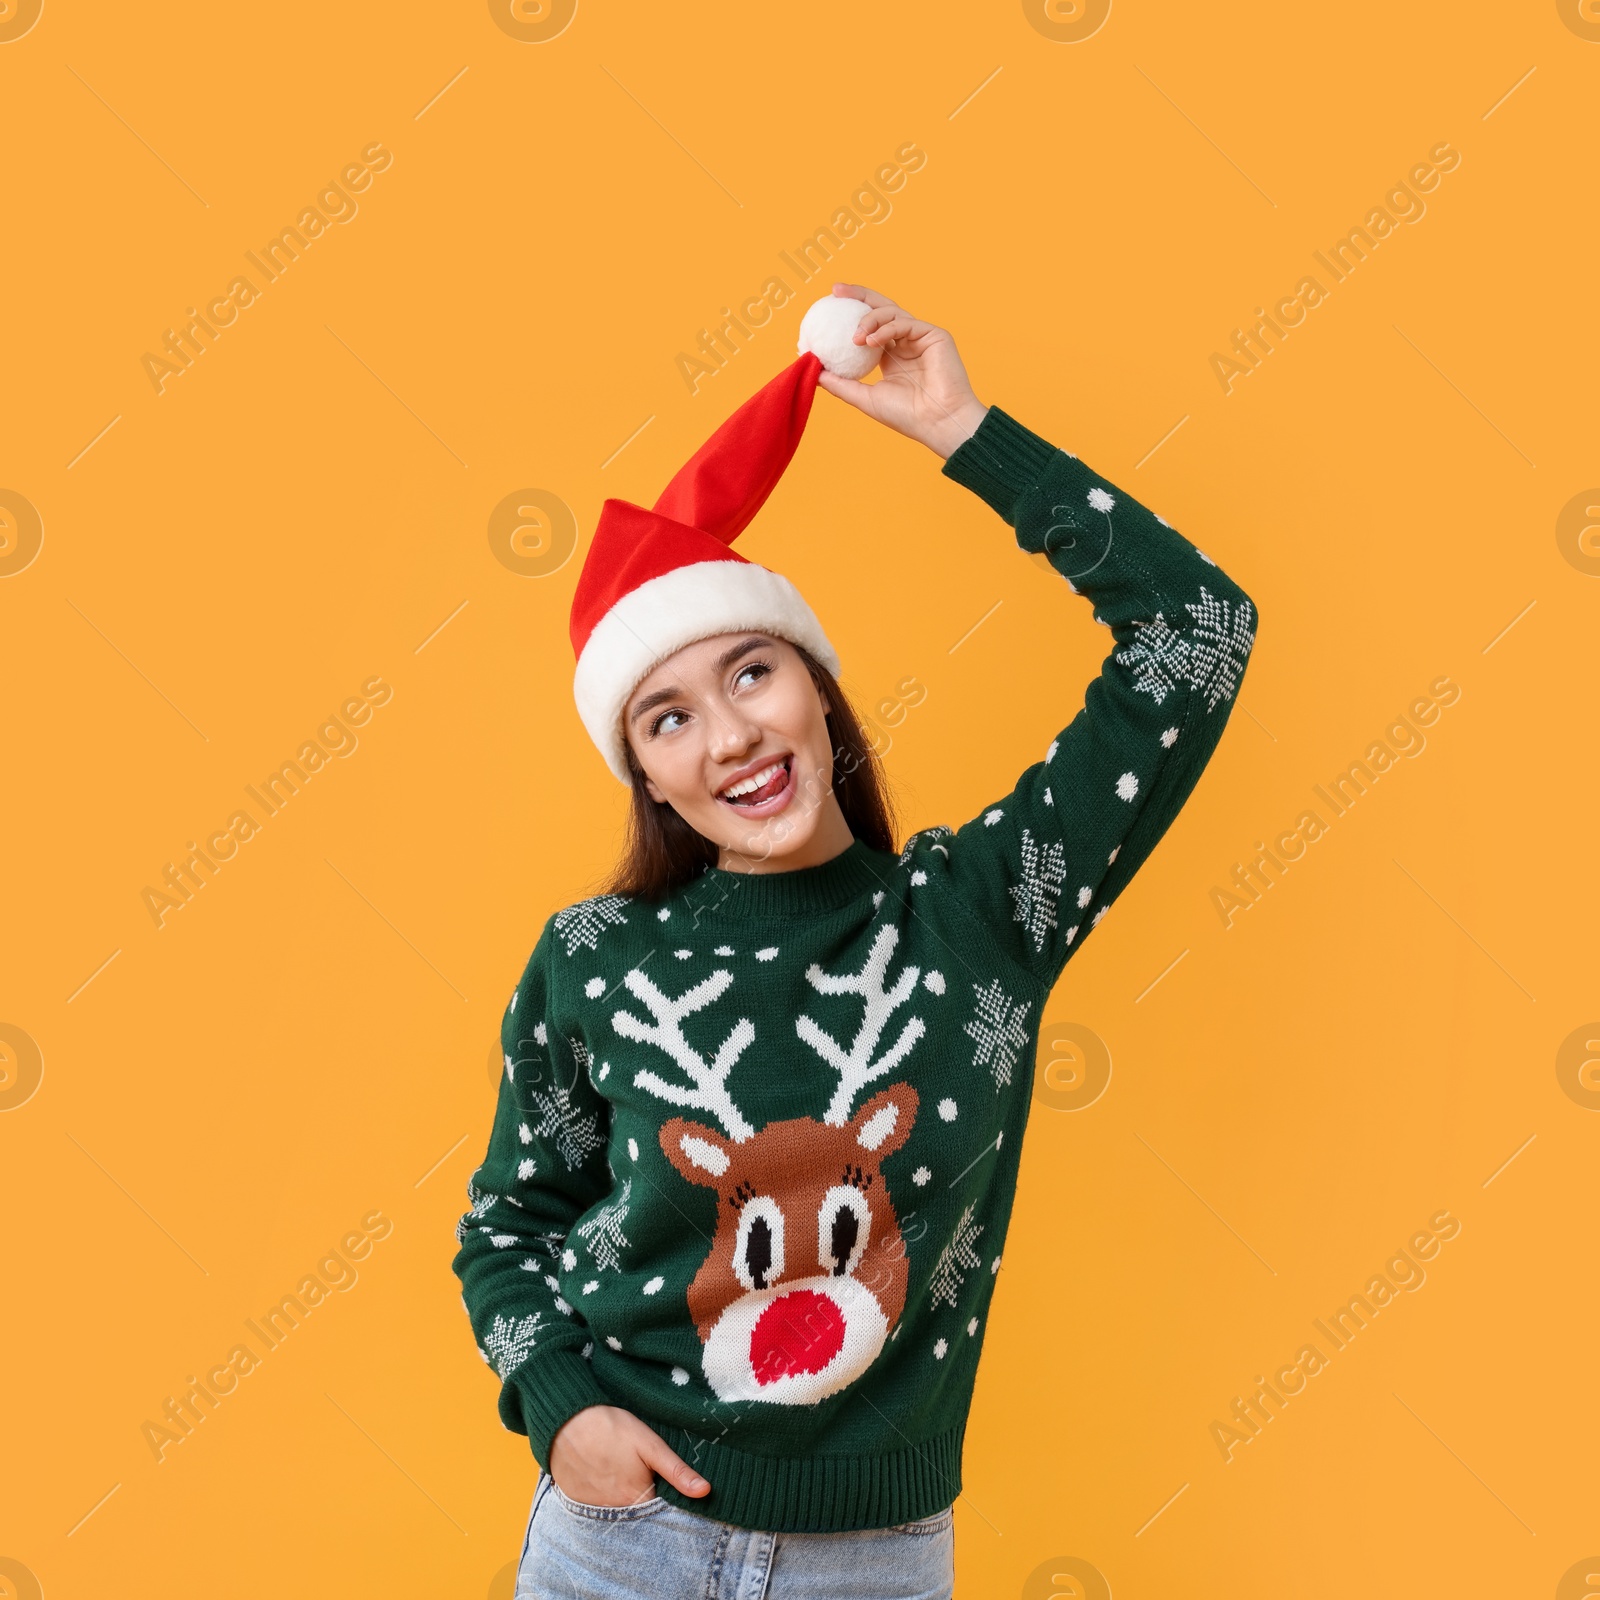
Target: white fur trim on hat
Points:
(660, 617)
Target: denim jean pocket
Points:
(937, 1523)
(629, 1513)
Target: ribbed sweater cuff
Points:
(1000, 461)
(551, 1388)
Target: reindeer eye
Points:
(843, 1226)
(758, 1245)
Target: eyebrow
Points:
(721, 664)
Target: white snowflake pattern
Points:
(1223, 639)
(1043, 869)
(586, 922)
(1159, 658)
(998, 1030)
(603, 1231)
(575, 1130)
(949, 1270)
(509, 1341)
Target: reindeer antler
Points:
(710, 1091)
(856, 1066)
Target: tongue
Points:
(766, 791)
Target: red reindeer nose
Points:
(799, 1332)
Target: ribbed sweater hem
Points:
(818, 1494)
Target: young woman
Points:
(732, 1246)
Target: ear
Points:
(700, 1153)
(884, 1122)
(654, 793)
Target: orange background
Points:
(1404, 487)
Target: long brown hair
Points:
(662, 851)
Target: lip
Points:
(767, 807)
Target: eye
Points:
(758, 1246)
(843, 1222)
(655, 725)
(761, 667)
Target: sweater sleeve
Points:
(1041, 865)
(546, 1165)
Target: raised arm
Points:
(546, 1165)
(1041, 865)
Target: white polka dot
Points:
(1113, 855)
(683, 955)
(1170, 737)
(663, 913)
(972, 1327)
(605, 1067)
(992, 817)
(613, 1341)
(935, 982)
(679, 1376)
(1085, 895)
(569, 1259)
(919, 876)
(594, 988)
(633, 1149)
(877, 897)
(653, 1285)
(1050, 754)
(1070, 931)
(994, 1266)
(591, 1286)
(1097, 916)
(920, 1176)
(1100, 500)
(1048, 799)
(587, 1348)
(526, 1169)
(724, 949)
(947, 1109)
(514, 994)
(541, 1033)
(939, 1348)
(525, 1133)
(1127, 786)
(767, 954)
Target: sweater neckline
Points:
(800, 891)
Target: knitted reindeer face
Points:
(807, 1273)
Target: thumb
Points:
(660, 1457)
(858, 394)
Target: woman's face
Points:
(722, 712)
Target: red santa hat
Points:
(654, 581)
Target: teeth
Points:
(750, 785)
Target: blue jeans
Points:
(659, 1551)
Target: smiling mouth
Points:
(760, 787)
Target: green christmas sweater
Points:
(756, 1146)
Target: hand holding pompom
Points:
(924, 392)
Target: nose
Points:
(731, 732)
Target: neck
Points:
(831, 837)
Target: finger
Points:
(891, 325)
(859, 291)
(659, 1456)
(858, 394)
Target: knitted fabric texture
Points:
(756, 1145)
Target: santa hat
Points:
(654, 581)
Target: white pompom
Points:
(826, 328)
